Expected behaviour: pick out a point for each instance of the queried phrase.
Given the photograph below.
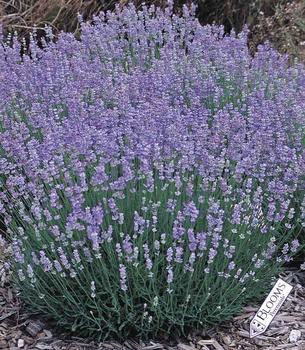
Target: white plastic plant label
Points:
(270, 308)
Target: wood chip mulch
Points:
(19, 330)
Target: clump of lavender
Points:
(151, 172)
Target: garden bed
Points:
(18, 330)
(152, 174)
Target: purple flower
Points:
(179, 254)
(170, 275)
(123, 277)
(148, 261)
(294, 245)
(231, 265)
(169, 255)
(45, 262)
(127, 245)
(191, 211)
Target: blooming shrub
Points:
(152, 172)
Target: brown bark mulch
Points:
(19, 330)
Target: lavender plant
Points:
(152, 172)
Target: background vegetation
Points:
(280, 21)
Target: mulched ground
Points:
(19, 330)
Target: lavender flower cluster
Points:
(152, 172)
